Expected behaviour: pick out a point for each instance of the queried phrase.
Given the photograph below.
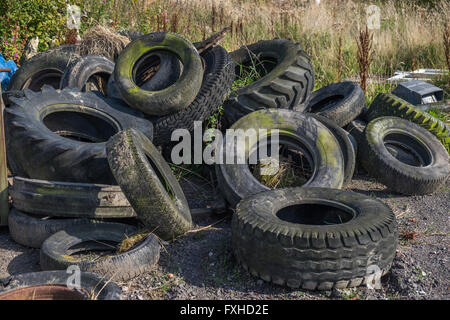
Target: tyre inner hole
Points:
(97, 82)
(92, 250)
(407, 149)
(50, 77)
(147, 67)
(326, 103)
(296, 165)
(325, 213)
(80, 126)
(254, 69)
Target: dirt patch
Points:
(200, 265)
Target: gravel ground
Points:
(201, 265)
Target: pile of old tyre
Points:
(82, 137)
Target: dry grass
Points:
(365, 55)
(103, 41)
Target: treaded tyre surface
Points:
(341, 102)
(56, 251)
(44, 68)
(60, 135)
(217, 81)
(149, 184)
(52, 285)
(387, 104)
(288, 81)
(171, 99)
(69, 199)
(346, 144)
(314, 238)
(427, 164)
(31, 231)
(85, 73)
(298, 131)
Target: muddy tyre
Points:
(387, 104)
(171, 99)
(217, 81)
(341, 102)
(314, 238)
(31, 230)
(60, 136)
(52, 285)
(423, 169)
(44, 68)
(56, 251)
(88, 73)
(346, 144)
(288, 82)
(69, 199)
(149, 184)
(301, 132)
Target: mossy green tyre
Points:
(430, 166)
(149, 184)
(314, 255)
(387, 104)
(297, 130)
(171, 99)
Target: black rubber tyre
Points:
(171, 99)
(44, 68)
(70, 200)
(301, 132)
(217, 81)
(38, 124)
(168, 72)
(149, 184)
(346, 144)
(278, 242)
(31, 231)
(82, 73)
(52, 285)
(56, 251)
(425, 175)
(341, 102)
(288, 85)
(387, 104)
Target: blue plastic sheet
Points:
(5, 77)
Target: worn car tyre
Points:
(55, 253)
(283, 236)
(341, 102)
(218, 78)
(85, 72)
(52, 285)
(44, 68)
(425, 175)
(168, 71)
(69, 199)
(60, 135)
(346, 144)
(297, 130)
(387, 104)
(31, 231)
(171, 99)
(287, 84)
(149, 184)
